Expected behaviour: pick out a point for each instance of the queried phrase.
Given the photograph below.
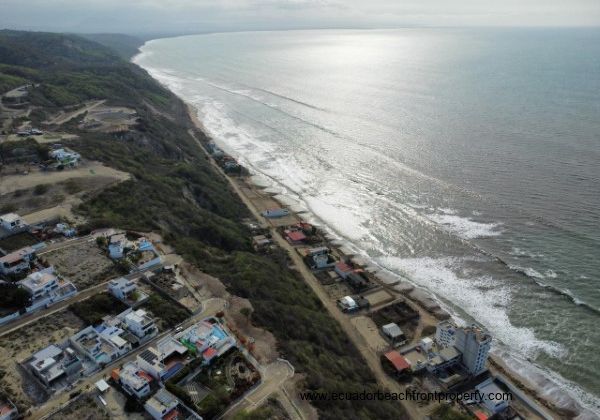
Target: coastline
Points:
(497, 364)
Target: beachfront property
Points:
(352, 303)
(317, 258)
(133, 380)
(8, 411)
(140, 324)
(17, 262)
(275, 212)
(207, 338)
(46, 288)
(12, 223)
(394, 334)
(473, 342)
(164, 360)
(162, 405)
(54, 363)
(101, 344)
(394, 363)
(489, 388)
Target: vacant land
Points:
(44, 196)
(86, 407)
(12, 183)
(20, 344)
(83, 263)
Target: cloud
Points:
(212, 15)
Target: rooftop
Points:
(10, 217)
(399, 362)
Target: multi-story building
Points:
(207, 338)
(140, 324)
(164, 360)
(17, 261)
(445, 334)
(161, 405)
(53, 363)
(40, 283)
(122, 288)
(474, 343)
(98, 347)
(134, 380)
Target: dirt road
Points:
(371, 358)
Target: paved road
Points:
(273, 376)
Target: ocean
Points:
(464, 160)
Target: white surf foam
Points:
(465, 227)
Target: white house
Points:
(100, 349)
(12, 222)
(164, 360)
(134, 380)
(122, 288)
(40, 283)
(161, 404)
(140, 324)
(17, 261)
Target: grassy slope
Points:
(174, 190)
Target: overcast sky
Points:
(182, 16)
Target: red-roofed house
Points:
(295, 237)
(395, 361)
(343, 269)
(209, 353)
(480, 415)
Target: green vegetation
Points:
(92, 310)
(12, 298)
(175, 191)
(168, 311)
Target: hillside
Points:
(176, 192)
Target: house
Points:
(161, 405)
(140, 324)
(40, 283)
(444, 359)
(53, 363)
(319, 258)
(343, 269)
(46, 288)
(395, 363)
(348, 304)
(164, 360)
(492, 396)
(260, 242)
(116, 246)
(8, 411)
(294, 237)
(134, 380)
(394, 334)
(12, 222)
(100, 348)
(426, 344)
(275, 213)
(17, 261)
(357, 281)
(207, 338)
(122, 288)
(65, 157)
